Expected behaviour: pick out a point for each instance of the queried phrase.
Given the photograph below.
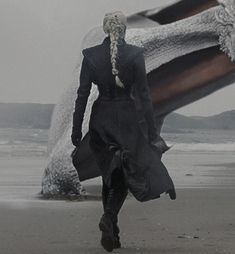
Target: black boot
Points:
(121, 195)
(116, 231)
(113, 201)
(106, 222)
(106, 226)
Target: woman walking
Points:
(126, 158)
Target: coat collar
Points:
(106, 41)
(101, 53)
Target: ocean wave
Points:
(4, 142)
(221, 147)
(19, 149)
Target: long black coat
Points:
(116, 138)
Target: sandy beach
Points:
(201, 220)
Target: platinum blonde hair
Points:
(114, 24)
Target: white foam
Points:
(226, 147)
(4, 142)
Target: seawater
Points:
(24, 142)
(198, 159)
(202, 140)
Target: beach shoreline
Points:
(200, 221)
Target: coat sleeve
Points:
(142, 88)
(83, 93)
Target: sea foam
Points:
(200, 147)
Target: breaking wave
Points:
(207, 147)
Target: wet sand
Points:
(200, 221)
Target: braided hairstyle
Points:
(114, 24)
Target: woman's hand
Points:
(76, 138)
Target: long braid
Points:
(114, 36)
(115, 25)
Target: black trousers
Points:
(114, 196)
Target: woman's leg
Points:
(120, 195)
(113, 196)
(113, 199)
(118, 192)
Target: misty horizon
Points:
(180, 113)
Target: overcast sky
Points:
(40, 43)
